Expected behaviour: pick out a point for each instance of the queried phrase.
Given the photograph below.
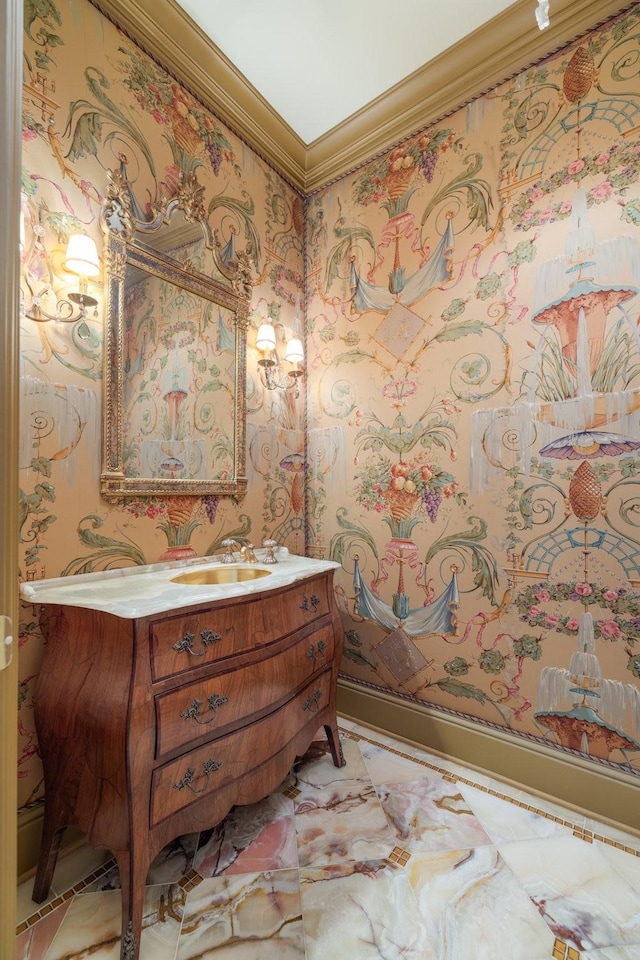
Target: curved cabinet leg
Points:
(49, 849)
(133, 876)
(331, 730)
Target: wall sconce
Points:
(82, 259)
(273, 378)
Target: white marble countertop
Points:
(132, 592)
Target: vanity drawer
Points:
(182, 643)
(203, 707)
(231, 758)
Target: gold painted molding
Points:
(609, 795)
(168, 34)
(593, 790)
(10, 143)
(509, 43)
(491, 54)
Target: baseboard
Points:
(595, 791)
(601, 792)
(29, 835)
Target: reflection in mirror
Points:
(175, 340)
(175, 352)
(179, 240)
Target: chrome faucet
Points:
(247, 554)
(228, 556)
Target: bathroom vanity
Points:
(169, 693)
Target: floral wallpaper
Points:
(94, 104)
(474, 391)
(467, 448)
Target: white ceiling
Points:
(319, 61)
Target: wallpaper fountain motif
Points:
(472, 304)
(469, 447)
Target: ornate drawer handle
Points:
(311, 652)
(209, 767)
(310, 602)
(207, 637)
(191, 713)
(312, 703)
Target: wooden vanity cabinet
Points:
(155, 727)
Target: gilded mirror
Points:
(177, 307)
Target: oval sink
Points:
(227, 574)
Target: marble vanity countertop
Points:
(132, 592)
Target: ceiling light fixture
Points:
(542, 14)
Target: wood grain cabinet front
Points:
(155, 727)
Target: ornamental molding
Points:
(508, 44)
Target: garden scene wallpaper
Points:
(466, 440)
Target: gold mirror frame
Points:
(124, 245)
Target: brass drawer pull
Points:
(312, 602)
(209, 767)
(207, 637)
(191, 713)
(312, 703)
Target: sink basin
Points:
(227, 574)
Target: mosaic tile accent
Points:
(476, 872)
(562, 951)
(398, 855)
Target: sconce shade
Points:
(82, 256)
(294, 352)
(266, 339)
(271, 373)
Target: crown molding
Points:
(166, 32)
(510, 43)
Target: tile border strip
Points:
(192, 878)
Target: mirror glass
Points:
(177, 313)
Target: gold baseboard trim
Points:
(29, 835)
(610, 796)
(603, 793)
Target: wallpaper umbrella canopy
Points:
(588, 444)
(594, 728)
(597, 302)
(583, 730)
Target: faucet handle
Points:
(270, 546)
(229, 544)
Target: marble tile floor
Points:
(400, 855)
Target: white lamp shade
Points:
(266, 339)
(82, 256)
(294, 352)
